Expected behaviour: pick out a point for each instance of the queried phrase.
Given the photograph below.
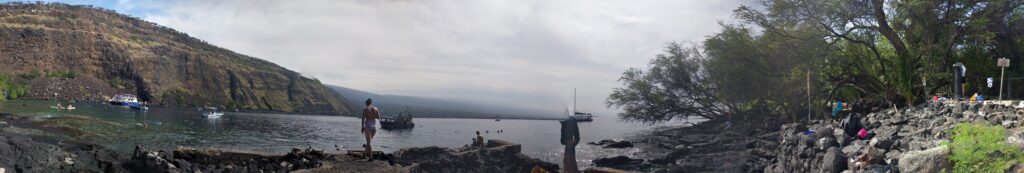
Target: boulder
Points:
(834, 161)
(602, 142)
(620, 162)
(619, 144)
(877, 169)
(882, 142)
(931, 160)
(826, 143)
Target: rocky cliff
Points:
(106, 52)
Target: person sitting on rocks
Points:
(837, 110)
(479, 141)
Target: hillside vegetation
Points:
(108, 51)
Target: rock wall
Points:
(905, 140)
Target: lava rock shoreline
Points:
(905, 140)
(26, 153)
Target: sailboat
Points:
(579, 116)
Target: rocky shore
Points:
(904, 140)
(29, 153)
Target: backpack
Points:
(851, 125)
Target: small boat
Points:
(129, 101)
(497, 118)
(59, 107)
(137, 105)
(583, 117)
(212, 113)
(402, 121)
(123, 99)
(579, 116)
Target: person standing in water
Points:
(369, 126)
(570, 137)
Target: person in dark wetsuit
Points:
(570, 137)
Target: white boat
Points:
(124, 99)
(579, 116)
(212, 113)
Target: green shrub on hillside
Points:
(981, 148)
(31, 74)
(118, 83)
(62, 74)
(11, 90)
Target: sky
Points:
(527, 54)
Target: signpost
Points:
(1003, 62)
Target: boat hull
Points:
(391, 125)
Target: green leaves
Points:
(675, 86)
(887, 52)
(981, 148)
(11, 90)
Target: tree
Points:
(675, 86)
(765, 73)
(880, 51)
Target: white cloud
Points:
(527, 54)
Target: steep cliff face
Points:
(158, 64)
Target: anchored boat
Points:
(212, 113)
(128, 100)
(402, 121)
(580, 116)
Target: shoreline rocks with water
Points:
(25, 153)
(903, 140)
(710, 146)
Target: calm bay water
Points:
(121, 129)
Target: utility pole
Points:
(809, 109)
(1002, 62)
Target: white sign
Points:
(989, 80)
(1003, 62)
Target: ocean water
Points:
(121, 128)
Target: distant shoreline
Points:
(287, 113)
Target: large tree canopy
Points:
(883, 51)
(674, 86)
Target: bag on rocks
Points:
(851, 125)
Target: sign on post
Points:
(1002, 62)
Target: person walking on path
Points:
(369, 126)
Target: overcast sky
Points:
(520, 53)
